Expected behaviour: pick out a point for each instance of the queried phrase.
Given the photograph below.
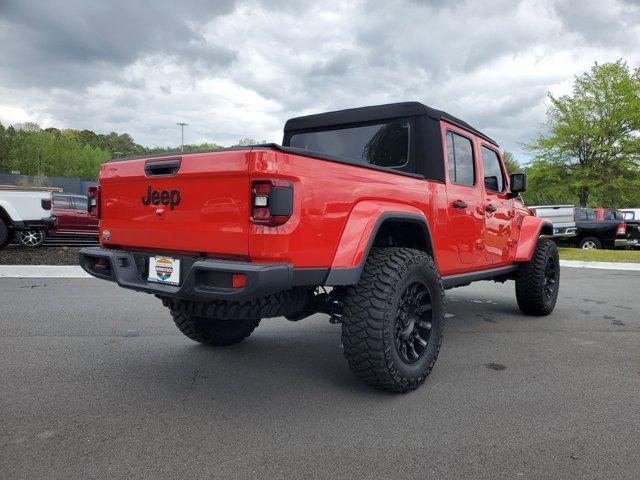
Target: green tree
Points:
(5, 148)
(34, 151)
(591, 152)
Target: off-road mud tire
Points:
(211, 331)
(370, 313)
(532, 280)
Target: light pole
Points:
(182, 125)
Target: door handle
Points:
(490, 208)
(459, 204)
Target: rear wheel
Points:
(212, 331)
(538, 280)
(590, 243)
(32, 237)
(5, 234)
(393, 319)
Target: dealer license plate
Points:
(164, 270)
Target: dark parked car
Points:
(73, 217)
(610, 231)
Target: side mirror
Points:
(518, 183)
(491, 183)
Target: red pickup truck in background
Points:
(73, 217)
(365, 214)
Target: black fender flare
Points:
(351, 276)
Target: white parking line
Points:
(43, 271)
(600, 265)
(75, 271)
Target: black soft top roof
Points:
(377, 112)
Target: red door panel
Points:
(497, 207)
(83, 221)
(65, 218)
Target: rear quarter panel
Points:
(604, 230)
(335, 210)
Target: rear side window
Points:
(491, 166)
(460, 158)
(385, 145)
(62, 201)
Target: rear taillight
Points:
(622, 229)
(46, 203)
(93, 201)
(271, 202)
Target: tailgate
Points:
(556, 214)
(197, 202)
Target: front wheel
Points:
(393, 319)
(32, 237)
(538, 280)
(213, 331)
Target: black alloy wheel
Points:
(413, 323)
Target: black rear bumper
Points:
(200, 279)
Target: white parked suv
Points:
(24, 214)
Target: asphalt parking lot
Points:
(97, 383)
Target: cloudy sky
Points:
(234, 69)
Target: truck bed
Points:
(213, 217)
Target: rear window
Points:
(385, 144)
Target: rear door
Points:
(497, 207)
(464, 195)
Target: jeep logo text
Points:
(164, 197)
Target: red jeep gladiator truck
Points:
(365, 214)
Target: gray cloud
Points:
(599, 22)
(240, 68)
(76, 42)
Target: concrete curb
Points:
(74, 271)
(600, 265)
(42, 271)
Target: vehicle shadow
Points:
(281, 361)
(271, 366)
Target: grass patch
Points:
(624, 256)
